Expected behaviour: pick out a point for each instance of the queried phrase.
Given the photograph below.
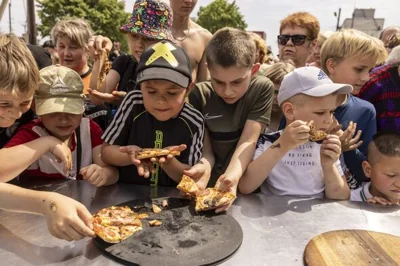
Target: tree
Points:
(104, 16)
(220, 14)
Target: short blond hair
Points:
(323, 36)
(77, 30)
(277, 71)
(19, 73)
(261, 46)
(352, 43)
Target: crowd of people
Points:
(240, 118)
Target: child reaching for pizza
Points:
(156, 116)
(19, 77)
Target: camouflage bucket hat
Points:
(150, 18)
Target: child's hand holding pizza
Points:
(330, 150)
(173, 151)
(62, 153)
(66, 218)
(144, 165)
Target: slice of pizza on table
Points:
(116, 223)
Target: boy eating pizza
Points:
(156, 116)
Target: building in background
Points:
(364, 20)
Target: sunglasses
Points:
(297, 39)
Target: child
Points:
(383, 91)
(276, 73)
(286, 162)
(383, 168)
(19, 77)
(147, 26)
(236, 108)
(347, 57)
(322, 37)
(59, 102)
(156, 116)
(71, 37)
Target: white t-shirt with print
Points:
(298, 173)
(362, 193)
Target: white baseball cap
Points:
(310, 81)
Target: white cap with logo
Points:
(310, 81)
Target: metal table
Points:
(276, 229)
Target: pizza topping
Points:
(164, 203)
(154, 152)
(213, 198)
(115, 224)
(155, 223)
(156, 209)
(316, 135)
(188, 186)
(105, 66)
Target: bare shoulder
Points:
(202, 32)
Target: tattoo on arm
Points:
(275, 145)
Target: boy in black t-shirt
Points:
(156, 117)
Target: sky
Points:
(262, 15)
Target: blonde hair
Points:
(303, 20)
(261, 46)
(19, 73)
(77, 30)
(350, 42)
(323, 36)
(231, 47)
(277, 71)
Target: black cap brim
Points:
(159, 73)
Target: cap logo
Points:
(163, 50)
(322, 75)
(59, 86)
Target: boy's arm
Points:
(202, 70)
(258, 170)
(112, 155)
(67, 219)
(201, 172)
(335, 184)
(174, 169)
(244, 151)
(18, 158)
(110, 174)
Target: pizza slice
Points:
(316, 135)
(128, 230)
(110, 234)
(213, 198)
(116, 223)
(148, 153)
(105, 66)
(188, 186)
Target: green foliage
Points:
(220, 14)
(104, 16)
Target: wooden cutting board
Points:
(354, 248)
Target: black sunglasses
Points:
(297, 39)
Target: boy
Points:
(71, 38)
(191, 37)
(297, 37)
(19, 77)
(236, 108)
(121, 78)
(383, 168)
(347, 57)
(156, 117)
(286, 162)
(59, 102)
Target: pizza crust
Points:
(213, 198)
(188, 186)
(148, 153)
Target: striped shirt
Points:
(133, 125)
(362, 193)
